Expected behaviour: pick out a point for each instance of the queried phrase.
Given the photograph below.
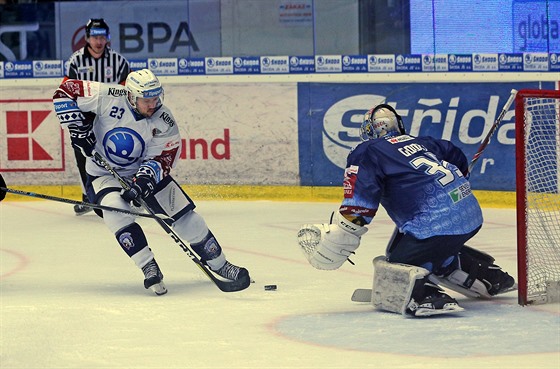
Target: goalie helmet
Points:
(380, 121)
(143, 84)
(97, 27)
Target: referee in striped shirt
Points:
(95, 62)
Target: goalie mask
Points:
(380, 121)
(143, 84)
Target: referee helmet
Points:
(97, 27)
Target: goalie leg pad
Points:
(455, 281)
(394, 284)
(477, 275)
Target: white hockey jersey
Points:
(124, 138)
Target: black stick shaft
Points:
(69, 201)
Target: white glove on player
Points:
(328, 246)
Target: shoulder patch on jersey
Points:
(350, 180)
(402, 138)
(116, 92)
(166, 117)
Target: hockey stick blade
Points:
(224, 286)
(361, 295)
(228, 286)
(4, 190)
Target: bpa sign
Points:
(134, 38)
(157, 29)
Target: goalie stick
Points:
(4, 190)
(364, 294)
(497, 122)
(224, 286)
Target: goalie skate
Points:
(424, 310)
(436, 303)
(448, 309)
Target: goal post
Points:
(537, 125)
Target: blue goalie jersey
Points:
(418, 180)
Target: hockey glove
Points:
(148, 176)
(142, 187)
(83, 139)
(328, 246)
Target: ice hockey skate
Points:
(501, 282)
(232, 272)
(153, 278)
(435, 302)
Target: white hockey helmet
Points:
(380, 121)
(144, 84)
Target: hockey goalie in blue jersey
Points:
(421, 183)
(138, 136)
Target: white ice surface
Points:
(70, 298)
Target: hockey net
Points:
(537, 115)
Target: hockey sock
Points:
(131, 238)
(210, 251)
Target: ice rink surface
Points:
(71, 298)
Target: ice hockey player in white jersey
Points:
(421, 183)
(139, 137)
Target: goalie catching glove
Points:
(328, 246)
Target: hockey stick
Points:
(4, 190)
(224, 286)
(497, 122)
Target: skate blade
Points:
(159, 289)
(450, 309)
(512, 288)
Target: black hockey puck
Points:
(270, 287)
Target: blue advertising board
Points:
(330, 114)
